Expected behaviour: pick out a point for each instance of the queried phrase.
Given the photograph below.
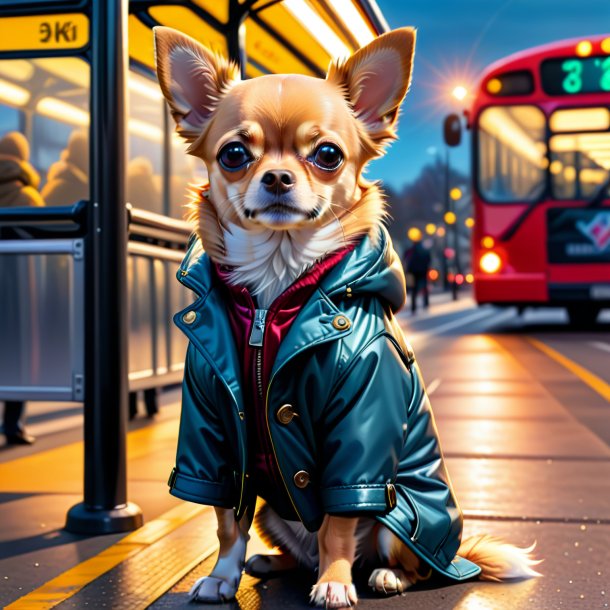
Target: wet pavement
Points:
(526, 442)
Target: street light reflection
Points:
(485, 596)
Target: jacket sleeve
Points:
(364, 428)
(204, 472)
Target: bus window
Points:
(145, 127)
(512, 153)
(187, 171)
(47, 102)
(580, 160)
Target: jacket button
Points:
(301, 479)
(285, 414)
(340, 322)
(189, 317)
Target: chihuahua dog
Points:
(285, 156)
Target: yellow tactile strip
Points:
(29, 474)
(73, 580)
(592, 380)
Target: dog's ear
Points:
(375, 80)
(192, 78)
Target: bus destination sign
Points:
(574, 75)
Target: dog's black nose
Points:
(278, 181)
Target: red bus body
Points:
(538, 267)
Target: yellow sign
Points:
(67, 31)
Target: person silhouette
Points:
(417, 264)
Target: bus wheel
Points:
(582, 316)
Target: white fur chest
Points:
(267, 261)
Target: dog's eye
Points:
(327, 157)
(234, 156)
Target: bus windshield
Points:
(512, 153)
(579, 152)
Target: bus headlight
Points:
(490, 262)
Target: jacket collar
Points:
(370, 267)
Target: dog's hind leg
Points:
(297, 546)
(400, 566)
(222, 583)
(337, 544)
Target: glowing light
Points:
(605, 45)
(469, 222)
(494, 86)
(317, 27)
(499, 124)
(556, 167)
(151, 91)
(17, 69)
(450, 218)
(13, 95)
(459, 92)
(569, 173)
(455, 193)
(580, 119)
(62, 111)
(490, 262)
(350, 16)
(145, 130)
(488, 242)
(584, 48)
(414, 234)
(441, 231)
(459, 279)
(433, 275)
(469, 278)
(430, 228)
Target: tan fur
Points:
(280, 121)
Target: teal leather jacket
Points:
(364, 441)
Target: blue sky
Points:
(457, 39)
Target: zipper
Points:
(257, 335)
(258, 328)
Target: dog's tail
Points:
(499, 560)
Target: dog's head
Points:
(285, 151)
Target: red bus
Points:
(541, 173)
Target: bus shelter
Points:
(90, 238)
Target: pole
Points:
(105, 508)
(446, 236)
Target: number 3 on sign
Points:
(604, 82)
(572, 83)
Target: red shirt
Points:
(257, 363)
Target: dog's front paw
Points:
(389, 581)
(212, 590)
(333, 595)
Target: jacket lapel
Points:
(206, 323)
(312, 326)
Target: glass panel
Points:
(186, 171)
(44, 115)
(163, 318)
(580, 163)
(35, 320)
(512, 153)
(145, 167)
(140, 315)
(179, 298)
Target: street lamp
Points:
(459, 92)
(414, 234)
